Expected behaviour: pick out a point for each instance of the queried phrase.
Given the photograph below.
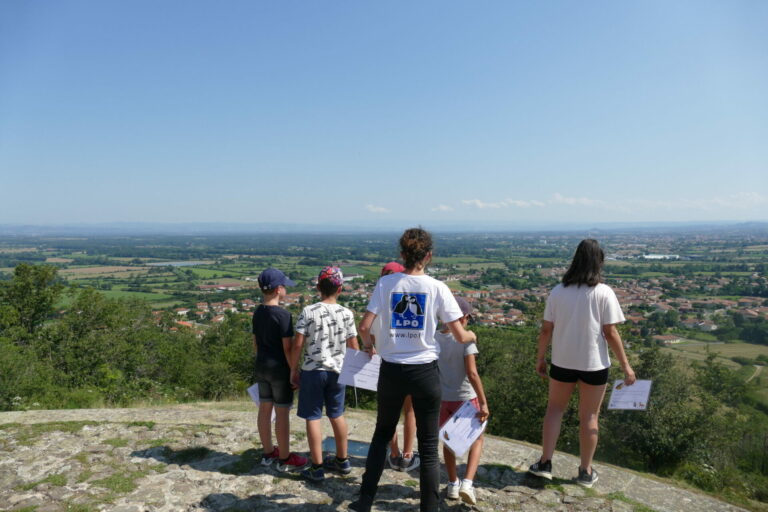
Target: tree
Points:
(28, 299)
(683, 422)
(720, 381)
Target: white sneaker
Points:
(467, 493)
(452, 491)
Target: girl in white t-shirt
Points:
(410, 304)
(407, 460)
(580, 322)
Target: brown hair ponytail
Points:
(415, 245)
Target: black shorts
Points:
(274, 383)
(596, 378)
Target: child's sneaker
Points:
(316, 474)
(542, 469)
(467, 493)
(394, 461)
(268, 458)
(410, 463)
(332, 463)
(452, 491)
(586, 479)
(292, 463)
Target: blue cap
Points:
(272, 278)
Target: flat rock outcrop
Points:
(205, 457)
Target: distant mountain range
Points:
(221, 228)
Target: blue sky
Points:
(383, 113)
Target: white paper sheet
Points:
(253, 391)
(634, 397)
(360, 370)
(462, 429)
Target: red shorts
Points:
(447, 408)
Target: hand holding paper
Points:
(634, 397)
(360, 370)
(462, 429)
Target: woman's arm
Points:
(460, 334)
(613, 338)
(545, 338)
(474, 378)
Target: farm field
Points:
(101, 271)
(148, 296)
(17, 250)
(458, 286)
(699, 351)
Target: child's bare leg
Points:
(473, 461)
(394, 450)
(282, 431)
(409, 426)
(340, 434)
(265, 426)
(450, 464)
(315, 441)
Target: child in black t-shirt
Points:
(272, 336)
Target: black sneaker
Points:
(360, 505)
(542, 469)
(585, 479)
(316, 474)
(332, 463)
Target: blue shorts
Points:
(318, 388)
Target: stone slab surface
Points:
(205, 457)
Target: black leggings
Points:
(396, 381)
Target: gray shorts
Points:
(274, 382)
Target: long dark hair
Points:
(415, 244)
(587, 265)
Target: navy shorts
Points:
(274, 381)
(596, 378)
(318, 388)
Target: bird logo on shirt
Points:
(408, 310)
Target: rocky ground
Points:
(204, 457)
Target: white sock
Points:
(455, 484)
(466, 483)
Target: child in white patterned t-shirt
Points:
(328, 329)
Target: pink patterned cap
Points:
(332, 274)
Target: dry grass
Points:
(85, 272)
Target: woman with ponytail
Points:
(410, 304)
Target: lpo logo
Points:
(408, 310)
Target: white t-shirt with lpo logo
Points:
(409, 307)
